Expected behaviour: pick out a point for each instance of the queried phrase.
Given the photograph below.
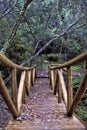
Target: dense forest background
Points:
(43, 31)
(28, 27)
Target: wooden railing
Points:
(64, 89)
(20, 86)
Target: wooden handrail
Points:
(19, 91)
(74, 61)
(9, 63)
(68, 92)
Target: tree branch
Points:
(39, 51)
(53, 40)
(13, 33)
(28, 24)
(8, 11)
(73, 24)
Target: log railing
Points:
(64, 89)
(19, 90)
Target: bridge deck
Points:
(42, 111)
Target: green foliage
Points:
(41, 16)
(76, 82)
(40, 62)
(19, 51)
(77, 67)
(52, 54)
(46, 19)
(4, 29)
(59, 56)
(75, 46)
(82, 112)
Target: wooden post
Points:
(64, 91)
(27, 82)
(5, 94)
(81, 90)
(50, 76)
(20, 90)
(53, 78)
(69, 88)
(33, 75)
(86, 64)
(24, 94)
(56, 83)
(14, 87)
(59, 91)
(30, 79)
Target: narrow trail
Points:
(42, 111)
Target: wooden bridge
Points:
(43, 103)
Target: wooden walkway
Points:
(42, 111)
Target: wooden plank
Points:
(53, 79)
(69, 88)
(5, 94)
(14, 87)
(81, 90)
(62, 82)
(20, 90)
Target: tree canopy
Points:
(31, 26)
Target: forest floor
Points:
(5, 114)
